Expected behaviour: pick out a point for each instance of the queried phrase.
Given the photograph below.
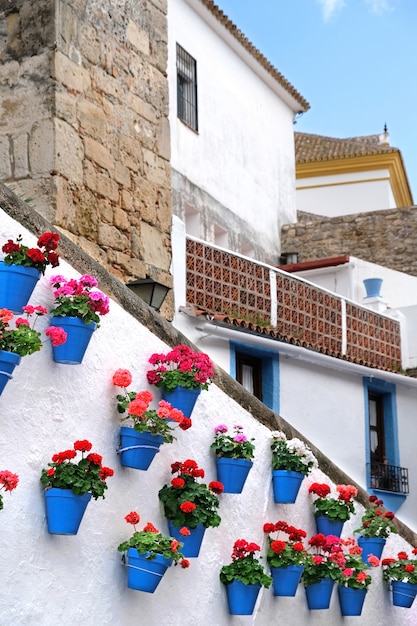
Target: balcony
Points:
(263, 299)
(388, 477)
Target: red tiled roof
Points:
(262, 60)
(313, 265)
(311, 148)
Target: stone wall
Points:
(84, 125)
(386, 238)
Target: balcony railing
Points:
(221, 282)
(388, 477)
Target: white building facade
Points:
(232, 138)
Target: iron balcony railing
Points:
(388, 477)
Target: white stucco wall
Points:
(345, 194)
(45, 579)
(243, 154)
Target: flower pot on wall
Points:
(182, 398)
(285, 579)
(137, 450)
(16, 285)
(319, 594)
(8, 361)
(64, 510)
(192, 542)
(286, 485)
(78, 337)
(241, 598)
(351, 600)
(232, 473)
(328, 526)
(403, 593)
(371, 545)
(373, 287)
(145, 574)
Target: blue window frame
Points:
(381, 436)
(269, 363)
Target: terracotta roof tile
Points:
(311, 148)
(262, 60)
(244, 326)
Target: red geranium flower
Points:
(187, 506)
(132, 518)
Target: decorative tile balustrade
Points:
(236, 288)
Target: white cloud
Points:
(379, 6)
(330, 7)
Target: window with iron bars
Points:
(187, 88)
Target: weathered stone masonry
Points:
(84, 124)
(387, 237)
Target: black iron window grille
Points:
(388, 477)
(187, 88)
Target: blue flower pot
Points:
(182, 398)
(8, 361)
(64, 510)
(286, 485)
(371, 545)
(232, 473)
(137, 450)
(16, 285)
(78, 337)
(145, 574)
(192, 542)
(241, 598)
(285, 579)
(319, 594)
(403, 594)
(327, 526)
(373, 287)
(351, 600)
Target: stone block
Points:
(66, 107)
(133, 267)
(5, 165)
(41, 148)
(120, 219)
(122, 174)
(142, 108)
(107, 84)
(164, 139)
(69, 151)
(127, 202)
(65, 206)
(98, 153)
(91, 118)
(155, 168)
(70, 74)
(20, 156)
(111, 237)
(131, 153)
(105, 210)
(153, 248)
(137, 37)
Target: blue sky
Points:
(354, 61)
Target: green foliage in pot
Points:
(244, 566)
(187, 502)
